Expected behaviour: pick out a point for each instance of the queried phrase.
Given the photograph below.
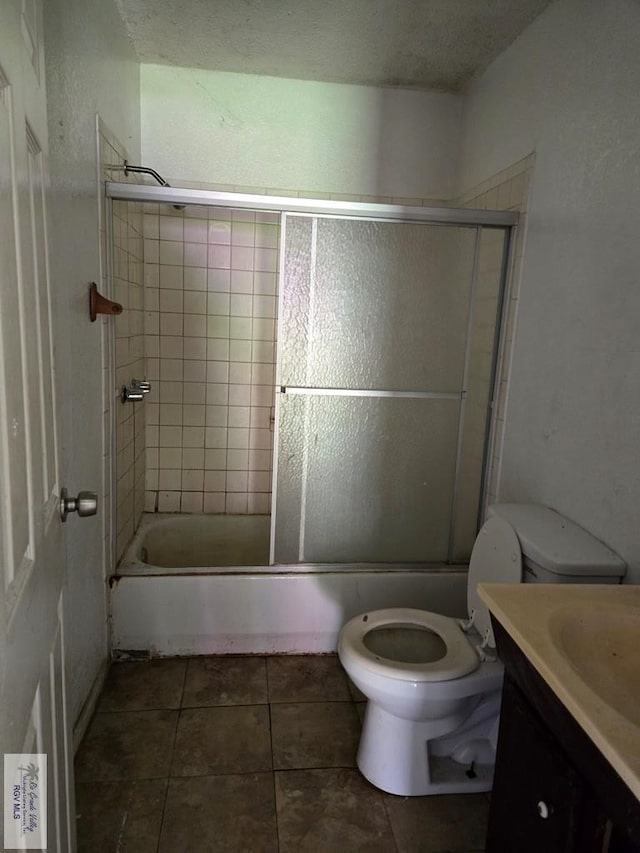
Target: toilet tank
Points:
(557, 550)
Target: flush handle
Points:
(86, 503)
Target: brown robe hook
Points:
(98, 304)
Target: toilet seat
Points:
(458, 660)
(496, 558)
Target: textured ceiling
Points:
(435, 45)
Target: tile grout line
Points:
(175, 736)
(273, 772)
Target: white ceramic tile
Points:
(214, 502)
(241, 281)
(193, 436)
(171, 253)
(260, 417)
(150, 501)
(219, 281)
(219, 232)
(258, 504)
(215, 438)
(170, 436)
(242, 257)
(171, 228)
(260, 439)
(151, 478)
(171, 277)
(239, 417)
(195, 371)
(151, 226)
(217, 394)
(265, 283)
(215, 459)
(219, 256)
(263, 352)
(193, 458)
(170, 457)
(217, 371)
(242, 233)
(217, 326)
(195, 348)
(262, 395)
(151, 324)
(195, 278)
(169, 479)
(265, 260)
(216, 415)
(151, 275)
(153, 432)
(193, 415)
(171, 346)
(218, 350)
(191, 502)
(240, 328)
(259, 460)
(241, 215)
(218, 303)
(151, 457)
(236, 503)
(239, 395)
(170, 392)
(194, 302)
(151, 251)
(194, 393)
(236, 481)
(262, 374)
(239, 350)
(237, 459)
(266, 235)
(170, 414)
(192, 481)
(195, 230)
(169, 502)
(259, 481)
(264, 306)
(171, 369)
(240, 305)
(195, 254)
(238, 438)
(240, 373)
(195, 325)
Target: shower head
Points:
(145, 170)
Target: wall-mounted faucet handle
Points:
(131, 395)
(142, 385)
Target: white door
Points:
(33, 714)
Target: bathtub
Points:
(182, 589)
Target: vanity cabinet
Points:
(553, 790)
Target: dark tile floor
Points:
(246, 754)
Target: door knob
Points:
(86, 503)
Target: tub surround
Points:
(534, 616)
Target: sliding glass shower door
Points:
(375, 329)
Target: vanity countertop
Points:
(584, 640)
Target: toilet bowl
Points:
(433, 682)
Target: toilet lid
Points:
(496, 558)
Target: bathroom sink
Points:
(601, 642)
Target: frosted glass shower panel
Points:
(364, 479)
(375, 305)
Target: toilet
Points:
(433, 682)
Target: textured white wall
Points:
(90, 68)
(298, 135)
(569, 88)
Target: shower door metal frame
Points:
(506, 221)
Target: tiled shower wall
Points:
(210, 315)
(123, 347)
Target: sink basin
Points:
(601, 641)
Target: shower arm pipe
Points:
(319, 207)
(145, 170)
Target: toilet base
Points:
(395, 754)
